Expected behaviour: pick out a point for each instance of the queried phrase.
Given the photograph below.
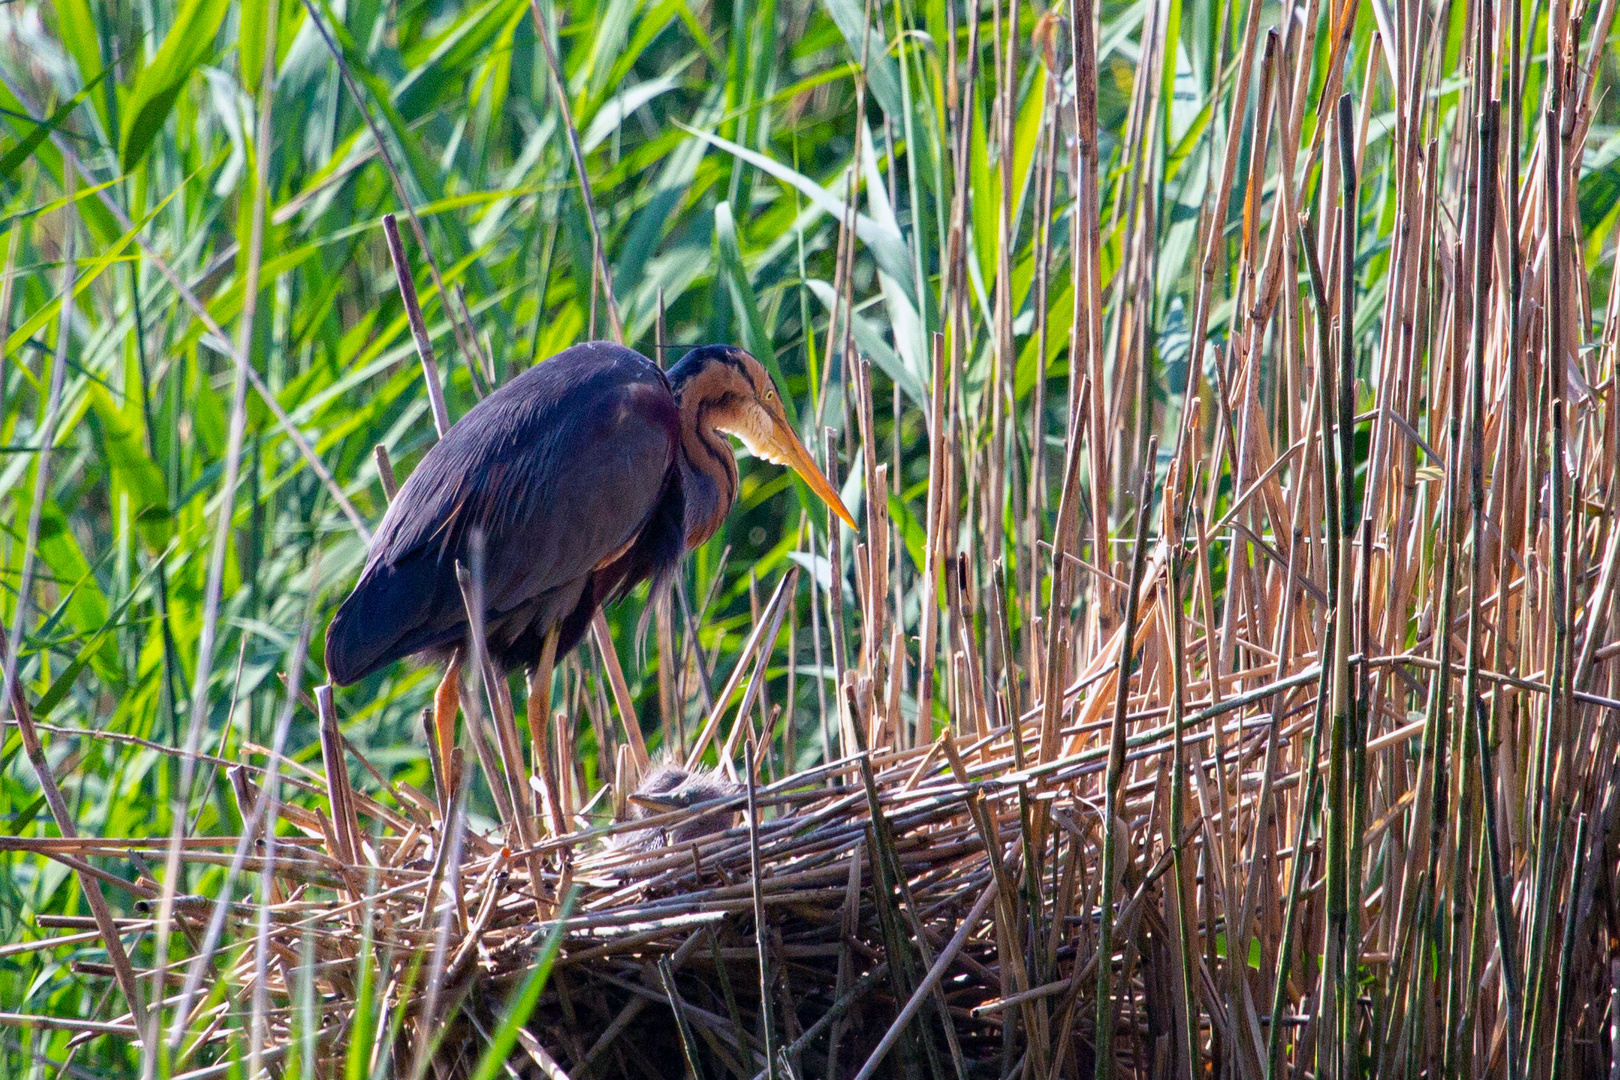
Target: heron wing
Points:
(558, 471)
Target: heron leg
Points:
(539, 717)
(446, 703)
(540, 695)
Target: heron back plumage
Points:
(569, 472)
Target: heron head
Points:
(669, 787)
(740, 399)
(656, 794)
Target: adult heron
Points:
(585, 475)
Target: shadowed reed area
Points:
(1222, 678)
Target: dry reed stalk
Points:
(419, 333)
(621, 692)
(771, 624)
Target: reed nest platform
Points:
(852, 908)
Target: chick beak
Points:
(789, 451)
(661, 804)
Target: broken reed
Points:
(1324, 781)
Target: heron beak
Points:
(791, 452)
(661, 803)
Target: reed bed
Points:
(1223, 687)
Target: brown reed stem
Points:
(1116, 771)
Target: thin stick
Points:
(1116, 771)
(682, 1026)
(970, 922)
(934, 538)
(12, 693)
(781, 600)
(49, 420)
(413, 312)
(503, 784)
(216, 338)
(756, 877)
(269, 788)
(559, 90)
(539, 716)
(344, 822)
(385, 471)
(63, 817)
(466, 341)
(621, 690)
(755, 640)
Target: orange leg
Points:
(446, 703)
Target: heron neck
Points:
(708, 472)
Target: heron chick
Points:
(668, 787)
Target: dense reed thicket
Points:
(1223, 681)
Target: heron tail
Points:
(388, 616)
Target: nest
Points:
(857, 917)
(812, 915)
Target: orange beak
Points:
(786, 449)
